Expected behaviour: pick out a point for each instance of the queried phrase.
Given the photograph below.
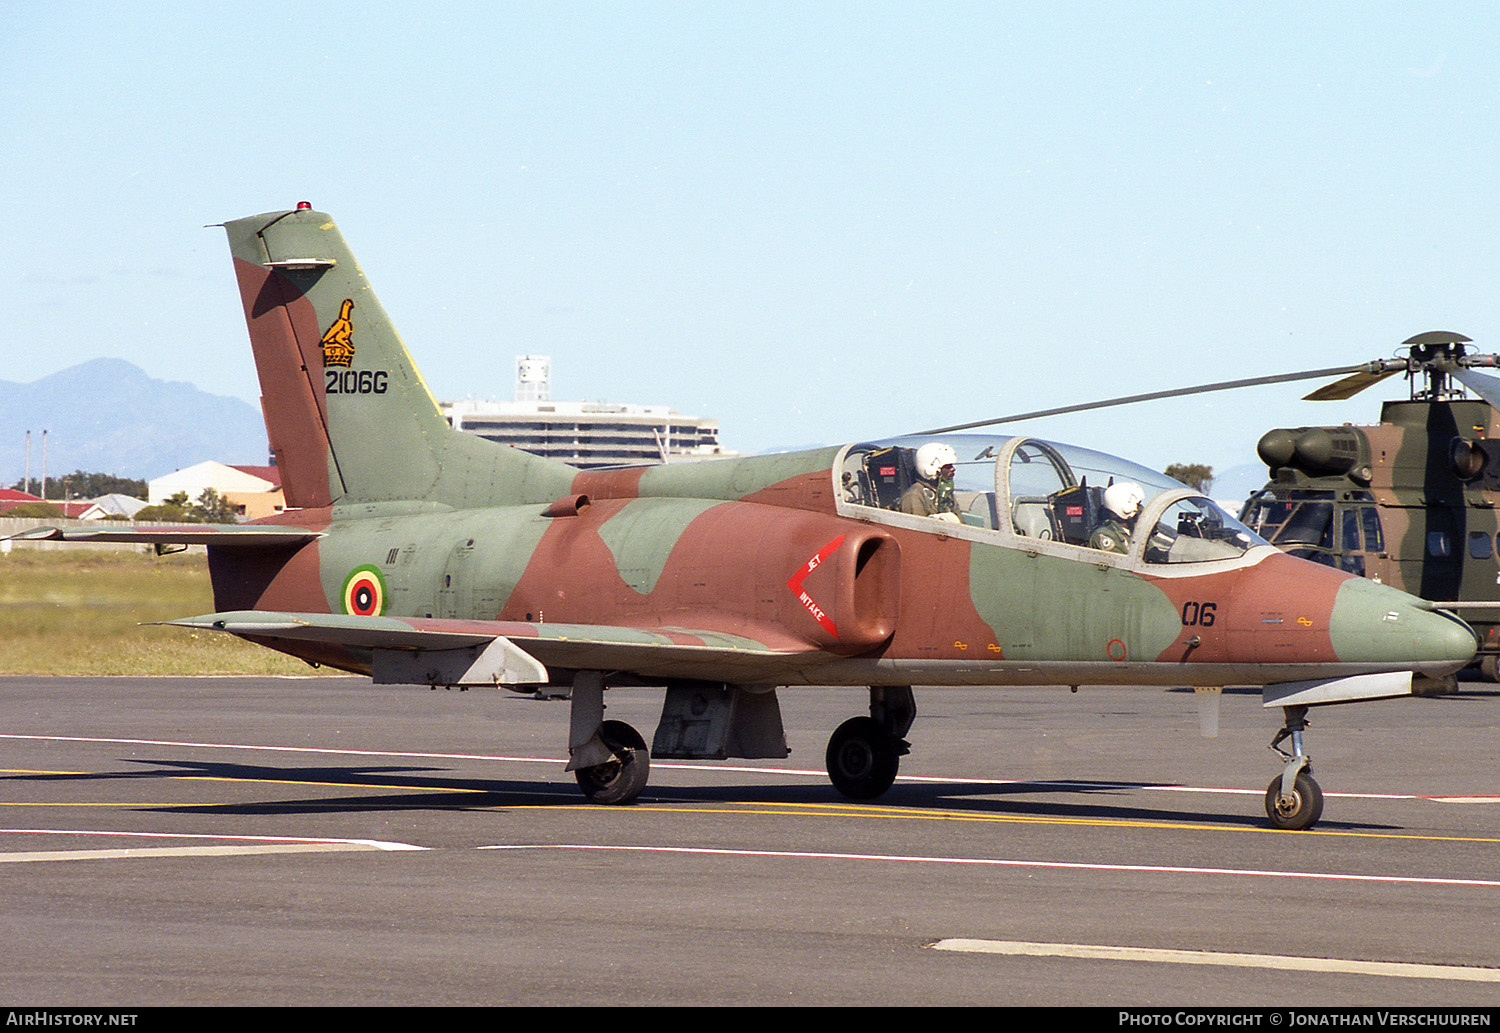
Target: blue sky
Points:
(814, 222)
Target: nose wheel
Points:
(1299, 809)
(1294, 800)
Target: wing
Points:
(238, 535)
(443, 651)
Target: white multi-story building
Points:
(584, 434)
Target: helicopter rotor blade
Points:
(1482, 384)
(1349, 386)
(1280, 378)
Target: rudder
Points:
(348, 416)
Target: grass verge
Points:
(80, 611)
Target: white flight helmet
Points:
(932, 457)
(1124, 499)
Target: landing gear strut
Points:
(864, 753)
(1293, 799)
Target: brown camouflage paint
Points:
(1277, 611)
(727, 572)
(292, 399)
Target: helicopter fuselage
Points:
(1411, 503)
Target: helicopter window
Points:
(1480, 546)
(1308, 523)
(1195, 531)
(1437, 544)
(1295, 518)
(1374, 540)
(1349, 525)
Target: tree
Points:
(213, 508)
(84, 485)
(174, 510)
(1194, 475)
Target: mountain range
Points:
(110, 416)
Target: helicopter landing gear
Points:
(1294, 801)
(864, 753)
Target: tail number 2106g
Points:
(355, 381)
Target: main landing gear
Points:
(609, 758)
(1293, 799)
(864, 753)
(621, 778)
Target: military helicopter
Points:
(1410, 502)
(418, 554)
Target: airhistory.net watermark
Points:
(68, 1017)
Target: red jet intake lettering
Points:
(795, 584)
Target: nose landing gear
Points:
(1294, 800)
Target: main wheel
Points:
(862, 758)
(1302, 810)
(622, 779)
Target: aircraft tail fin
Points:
(348, 416)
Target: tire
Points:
(1306, 807)
(621, 780)
(862, 759)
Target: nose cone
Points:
(1376, 624)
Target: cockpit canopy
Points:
(1045, 492)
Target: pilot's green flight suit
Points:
(1111, 536)
(924, 499)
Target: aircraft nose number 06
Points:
(1199, 614)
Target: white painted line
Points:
(665, 765)
(178, 851)
(292, 841)
(284, 749)
(1148, 869)
(1343, 966)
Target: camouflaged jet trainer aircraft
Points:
(419, 554)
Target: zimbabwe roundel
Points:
(364, 592)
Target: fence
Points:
(15, 525)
